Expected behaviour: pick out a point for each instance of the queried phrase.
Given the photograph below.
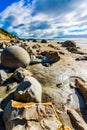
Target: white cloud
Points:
(30, 20)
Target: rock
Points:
(2, 45)
(34, 40)
(3, 76)
(46, 64)
(77, 121)
(36, 46)
(11, 86)
(14, 57)
(55, 47)
(1, 112)
(31, 116)
(61, 53)
(52, 56)
(72, 49)
(69, 44)
(81, 58)
(82, 87)
(50, 45)
(29, 90)
(43, 41)
(20, 74)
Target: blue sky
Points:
(44, 18)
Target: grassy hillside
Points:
(6, 35)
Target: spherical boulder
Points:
(43, 41)
(69, 43)
(14, 57)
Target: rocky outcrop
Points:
(20, 74)
(14, 57)
(31, 116)
(29, 90)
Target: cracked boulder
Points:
(23, 116)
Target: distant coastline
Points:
(77, 40)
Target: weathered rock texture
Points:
(14, 57)
(82, 87)
(20, 74)
(30, 116)
(78, 122)
(3, 76)
(29, 90)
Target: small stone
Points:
(11, 86)
(3, 76)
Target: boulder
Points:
(69, 44)
(81, 58)
(14, 57)
(3, 76)
(29, 90)
(20, 74)
(43, 41)
(11, 86)
(51, 55)
(31, 116)
(34, 40)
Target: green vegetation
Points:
(6, 33)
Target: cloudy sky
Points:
(44, 18)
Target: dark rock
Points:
(55, 47)
(43, 41)
(69, 44)
(29, 90)
(46, 64)
(34, 40)
(51, 55)
(14, 57)
(12, 41)
(62, 53)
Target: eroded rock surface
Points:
(30, 116)
(20, 74)
(29, 90)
